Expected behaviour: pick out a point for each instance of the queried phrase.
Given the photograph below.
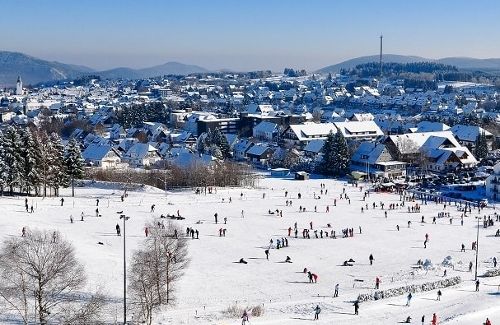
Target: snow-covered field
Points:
(214, 281)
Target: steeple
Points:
(19, 86)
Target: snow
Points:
(213, 281)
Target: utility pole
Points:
(477, 247)
(122, 216)
(380, 58)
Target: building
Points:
(375, 160)
(103, 156)
(225, 125)
(493, 183)
(19, 86)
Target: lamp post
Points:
(122, 216)
(477, 247)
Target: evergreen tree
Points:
(342, 156)
(29, 151)
(73, 161)
(481, 149)
(3, 167)
(224, 147)
(327, 164)
(45, 162)
(12, 158)
(58, 175)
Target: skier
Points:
(463, 248)
(377, 283)
(434, 319)
(408, 299)
(488, 322)
(97, 202)
(71, 218)
(62, 201)
(356, 308)
(317, 310)
(336, 293)
(81, 216)
(267, 254)
(477, 285)
(494, 262)
(371, 259)
(423, 319)
(153, 208)
(242, 214)
(23, 232)
(244, 318)
(215, 216)
(146, 231)
(117, 230)
(439, 294)
(288, 259)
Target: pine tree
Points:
(45, 162)
(342, 156)
(12, 158)
(58, 175)
(3, 167)
(29, 151)
(73, 161)
(481, 149)
(327, 164)
(224, 147)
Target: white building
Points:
(19, 86)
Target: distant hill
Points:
(460, 62)
(158, 70)
(33, 70)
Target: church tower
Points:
(19, 86)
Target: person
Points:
(244, 318)
(439, 294)
(408, 319)
(377, 282)
(371, 259)
(463, 248)
(215, 216)
(288, 259)
(153, 208)
(117, 230)
(62, 201)
(423, 319)
(71, 218)
(317, 310)
(267, 254)
(408, 299)
(242, 261)
(494, 262)
(146, 231)
(470, 266)
(81, 216)
(477, 285)
(242, 213)
(434, 319)
(225, 220)
(23, 232)
(356, 308)
(336, 293)
(488, 322)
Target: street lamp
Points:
(477, 246)
(122, 216)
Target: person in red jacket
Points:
(434, 319)
(488, 322)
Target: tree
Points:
(3, 166)
(481, 148)
(30, 155)
(58, 177)
(327, 164)
(73, 161)
(155, 268)
(342, 155)
(39, 273)
(12, 158)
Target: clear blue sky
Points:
(246, 34)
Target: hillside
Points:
(463, 63)
(158, 70)
(33, 70)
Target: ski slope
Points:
(214, 280)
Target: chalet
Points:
(266, 131)
(467, 134)
(142, 155)
(375, 160)
(260, 154)
(103, 156)
(301, 134)
(359, 130)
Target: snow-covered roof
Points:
(359, 128)
(257, 150)
(96, 152)
(413, 142)
(468, 132)
(426, 126)
(308, 131)
(368, 152)
(266, 127)
(140, 150)
(314, 146)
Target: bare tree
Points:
(155, 269)
(39, 272)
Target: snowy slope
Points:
(214, 281)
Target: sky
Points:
(246, 34)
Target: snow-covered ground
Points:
(214, 281)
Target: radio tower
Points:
(380, 59)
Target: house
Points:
(301, 134)
(240, 149)
(467, 134)
(260, 154)
(359, 130)
(426, 126)
(103, 156)
(142, 155)
(266, 131)
(493, 183)
(301, 176)
(376, 160)
(314, 147)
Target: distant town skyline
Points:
(246, 35)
